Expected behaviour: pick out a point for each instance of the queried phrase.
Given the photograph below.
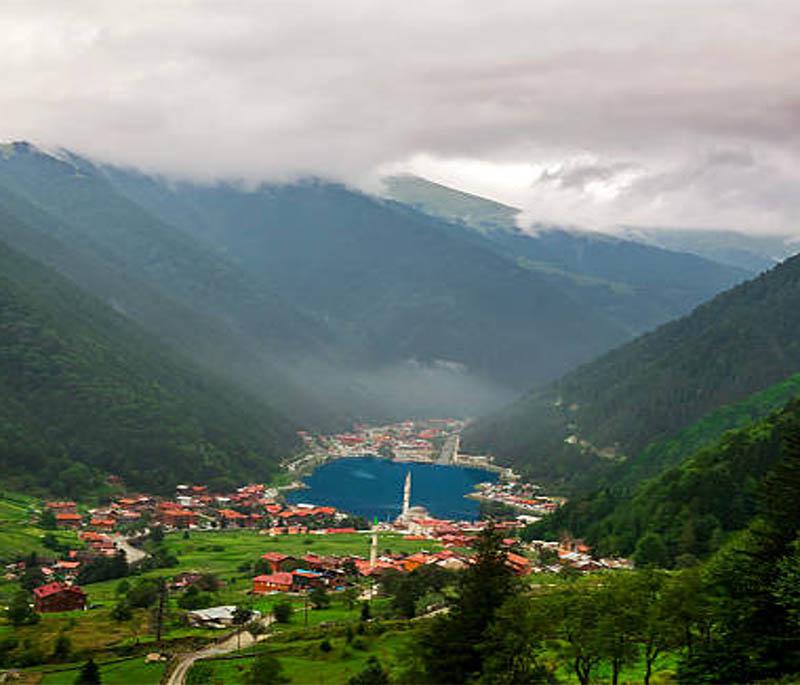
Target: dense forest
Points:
(687, 511)
(610, 410)
(86, 393)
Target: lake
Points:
(373, 487)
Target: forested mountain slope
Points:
(609, 410)
(207, 339)
(87, 393)
(636, 285)
(688, 509)
(191, 297)
(396, 284)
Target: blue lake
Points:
(373, 487)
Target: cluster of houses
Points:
(300, 574)
(126, 510)
(572, 554)
(404, 441)
(251, 506)
(523, 497)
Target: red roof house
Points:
(59, 597)
(275, 582)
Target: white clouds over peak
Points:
(680, 113)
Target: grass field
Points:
(129, 672)
(18, 536)
(304, 662)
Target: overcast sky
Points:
(672, 113)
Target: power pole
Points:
(162, 603)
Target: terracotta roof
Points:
(276, 578)
(55, 588)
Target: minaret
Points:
(373, 549)
(406, 496)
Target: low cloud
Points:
(685, 113)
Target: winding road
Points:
(229, 644)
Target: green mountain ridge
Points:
(690, 490)
(87, 393)
(636, 284)
(739, 343)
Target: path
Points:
(132, 554)
(231, 643)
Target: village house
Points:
(275, 582)
(58, 597)
(233, 519)
(278, 562)
(68, 520)
(102, 524)
(62, 507)
(175, 516)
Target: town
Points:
(283, 554)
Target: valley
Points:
(219, 462)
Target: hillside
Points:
(637, 284)
(741, 342)
(752, 252)
(689, 508)
(87, 393)
(394, 284)
(447, 203)
(189, 296)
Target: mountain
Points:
(637, 285)
(608, 411)
(447, 203)
(329, 304)
(690, 508)
(752, 252)
(86, 393)
(406, 293)
(191, 297)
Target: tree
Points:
(651, 552)
(266, 670)
(576, 613)
(20, 612)
(372, 674)
(241, 615)
(62, 648)
(32, 578)
(282, 612)
(366, 613)
(144, 594)
(48, 520)
(319, 598)
(450, 642)
(200, 673)
(512, 647)
(349, 598)
(122, 612)
(89, 674)
(623, 604)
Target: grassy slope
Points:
(18, 535)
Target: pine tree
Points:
(450, 643)
(89, 675)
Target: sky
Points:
(593, 113)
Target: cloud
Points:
(608, 104)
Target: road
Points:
(449, 450)
(229, 644)
(132, 554)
